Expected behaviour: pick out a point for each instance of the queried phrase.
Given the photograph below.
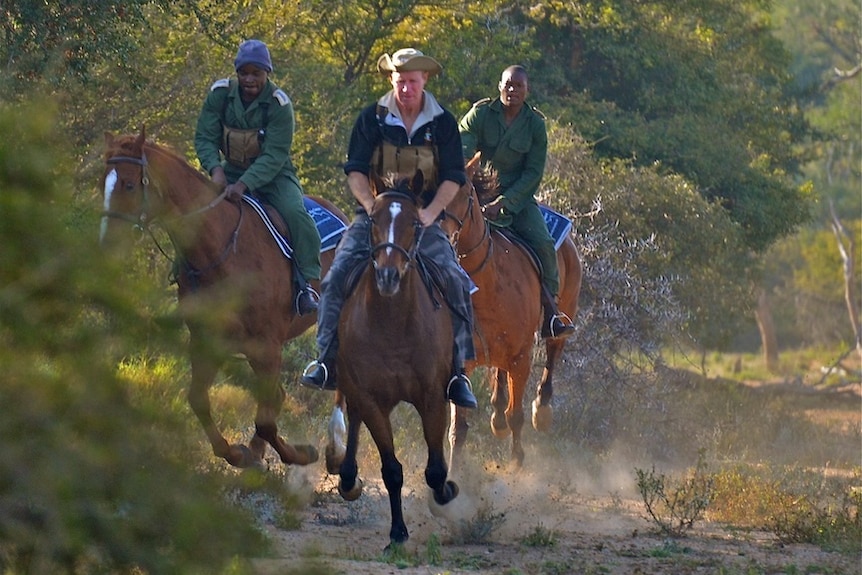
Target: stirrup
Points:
(312, 294)
(305, 380)
(568, 328)
(456, 377)
(465, 399)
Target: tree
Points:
(700, 86)
(91, 481)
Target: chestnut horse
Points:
(396, 345)
(507, 312)
(235, 285)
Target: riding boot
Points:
(555, 323)
(320, 374)
(307, 298)
(460, 390)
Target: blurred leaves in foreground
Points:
(89, 482)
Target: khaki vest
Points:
(241, 147)
(389, 159)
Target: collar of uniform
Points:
(430, 110)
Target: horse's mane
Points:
(124, 145)
(486, 184)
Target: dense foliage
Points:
(90, 480)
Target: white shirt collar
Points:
(430, 110)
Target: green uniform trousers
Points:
(284, 194)
(530, 225)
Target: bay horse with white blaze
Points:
(507, 312)
(396, 345)
(235, 285)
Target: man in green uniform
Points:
(512, 138)
(243, 139)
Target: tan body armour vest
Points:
(391, 160)
(241, 147)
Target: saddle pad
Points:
(328, 225)
(558, 224)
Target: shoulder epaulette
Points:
(481, 102)
(539, 112)
(223, 83)
(283, 99)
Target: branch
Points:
(840, 75)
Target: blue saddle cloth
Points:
(558, 224)
(328, 225)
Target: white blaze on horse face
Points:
(394, 210)
(110, 182)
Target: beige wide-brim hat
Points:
(408, 60)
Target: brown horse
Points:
(235, 285)
(396, 345)
(507, 313)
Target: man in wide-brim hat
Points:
(405, 131)
(408, 60)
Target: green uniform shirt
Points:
(274, 158)
(517, 152)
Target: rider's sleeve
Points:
(208, 132)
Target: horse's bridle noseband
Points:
(410, 254)
(139, 220)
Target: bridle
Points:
(141, 219)
(486, 235)
(410, 254)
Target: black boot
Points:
(306, 300)
(555, 323)
(460, 391)
(320, 375)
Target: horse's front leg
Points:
(349, 484)
(336, 431)
(436, 473)
(499, 402)
(270, 397)
(543, 415)
(458, 429)
(378, 424)
(204, 370)
(515, 414)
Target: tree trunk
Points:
(847, 248)
(768, 339)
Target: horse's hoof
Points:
(395, 547)
(448, 493)
(543, 417)
(354, 493)
(242, 457)
(499, 427)
(306, 454)
(333, 460)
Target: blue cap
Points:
(253, 52)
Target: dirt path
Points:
(551, 521)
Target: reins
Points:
(141, 219)
(486, 235)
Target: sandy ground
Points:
(593, 525)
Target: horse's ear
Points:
(109, 139)
(473, 165)
(418, 183)
(376, 183)
(141, 139)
